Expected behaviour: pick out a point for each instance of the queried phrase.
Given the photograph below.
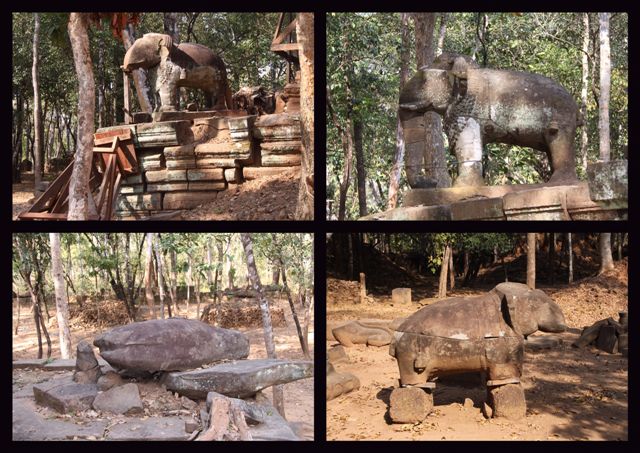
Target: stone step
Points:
(160, 428)
(239, 379)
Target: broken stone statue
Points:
(481, 105)
(482, 333)
(170, 344)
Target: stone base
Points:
(508, 202)
(410, 404)
(508, 401)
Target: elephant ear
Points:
(166, 42)
(519, 315)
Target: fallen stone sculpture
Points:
(607, 335)
(337, 354)
(476, 334)
(340, 383)
(358, 332)
(239, 379)
(170, 344)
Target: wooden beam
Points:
(285, 47)
(290, 28)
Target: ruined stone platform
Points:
(604, 196)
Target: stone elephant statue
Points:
(482, 333)
(481, 105)
(184, 65)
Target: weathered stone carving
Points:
(359, 332)
(474, 334)
(170, 344)
(481, 105)
(184, 65)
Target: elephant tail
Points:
(228, 98)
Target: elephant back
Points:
(191, 54)
(461, 318)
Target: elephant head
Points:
(528, 310)
(146, 52)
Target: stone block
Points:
(340, 383)
(337, 354)
(542, 342)
(178, 164)
(167, 186)
(207, 185)
(607, 339)
(240, 148)
(123, 399)
(187, 200)
(285, 147)
(608, 180)
(178, 115)
(131, 215)
(139, 202)
(205, 174)
(215, 162)
(410, 404)
(281, 119)
(108, 380)
(250, 173)
(29, 363)
(162, 134)
(151, 165)
(132, 179)
(440, 212)
(546, 203)
(233, 175)
(64, 396)
(179, 152)
(508, 401)
(239, 379)
(401, 296)
(61, 365)
(478, 209)
(433, 197)
(240, 123)
(132, 189)
(281, 160)
(150, 429)
(215, 122)
(165, 176)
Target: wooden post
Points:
(127, 101)
(363, 288)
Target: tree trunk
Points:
(174, 279)
(305, 36)
(209, 274)
(38, 164)
(398, 160)
(363, 288)
(605, 88)
(570, 252)
(18, 117)
(441, 33)
(160, 263)
(170, 21)
(606, 258)
(552, 257)
(62, 305)
(303, 339)
(430, 153)
(584, 136)
(531, 260)
(148, 276)
(140, 80)
(189, 281)
(360, 170)
(452, 272)
(442, 286)
(254, 278)
(79, 184)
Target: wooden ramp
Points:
(109, 165)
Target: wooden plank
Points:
(281, 47)
(105, 182)
(280, 38)
(280, 19)
(50, 195)
(102, 150)
(102, 138)
(42, 216)
(62, 198)
(127, 154)
(113, 197)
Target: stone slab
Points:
(281, 160)
(122, 399)
(215, 122)
(187, 200)
(250, 173)
(27, 424)
(161, 428)
(205, 174)
(478, 209)
(240, 123)
(177, 164)
(161, 134)
(277, 119)
(546, 203)
(165, 175)
(132, 189)
(61, 365)
(401, 295)
(167, 187)
(29, 363)
(240, 148)
(179, 152)
(132, 179)
(233, 175)
(542, 342)
(207, 185)
(184, 115)
(215, 162)
(608, 180)
(441, 212)
(64, 395)
(140, 202)
(238, 379)
(284, 147)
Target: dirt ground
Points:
(298, 395)
(572, 394)
(269, 198)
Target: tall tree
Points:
(570, 252)
(305, 36)
(605, 88)
(584, 135)
(398, 160)
(148, 276)
(38, 165)
(170, 23)
(442, 285)
(531, 260)
(430, 153)
(62, 304)
(606, 257)
(160, 265)
(361, 176)
(441, 33)
(254, 278)
(79, 184)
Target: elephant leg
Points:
(414, 136)
(166, 85)
(563, 155)
(468, 147)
